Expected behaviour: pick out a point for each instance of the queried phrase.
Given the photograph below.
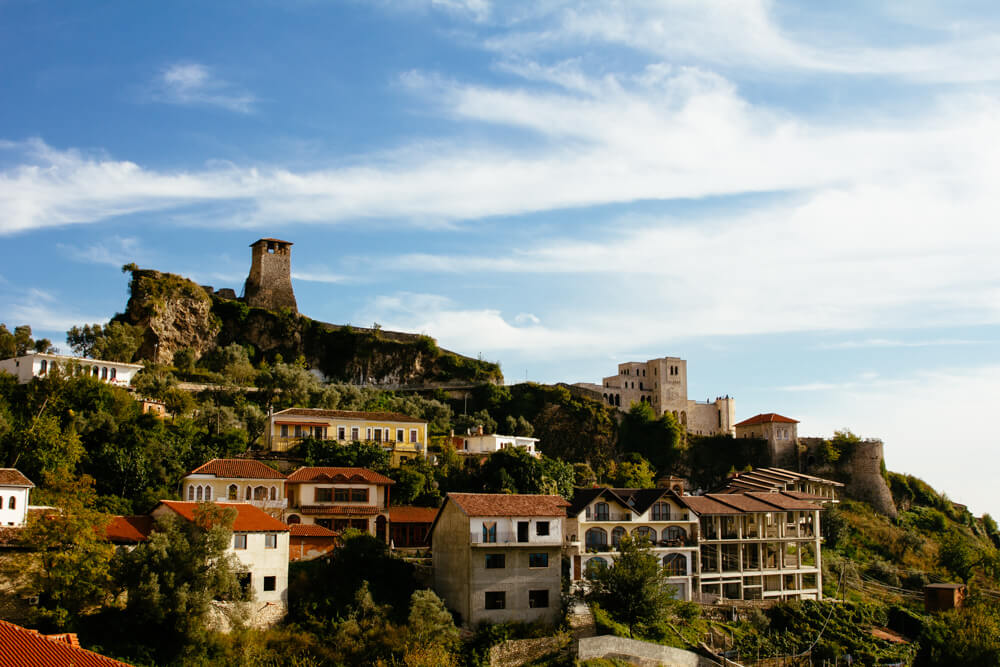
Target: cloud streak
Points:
(194, 84)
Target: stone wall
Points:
(863, 465)
(637, 652)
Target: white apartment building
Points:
(488, 443)
(37, 365)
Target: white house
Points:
(14, 490)
(260, 544)
(236, 480)
(493, 442)
(36, 365)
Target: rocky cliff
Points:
(176, 313)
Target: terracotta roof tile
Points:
(328, 474)
(13, 477)
(249, 519)
(129, 529)
(409, 514)
(767, 418)
(341, 510)
(311, 530)
(783, 501)
(705, 505)
(349, 414)
(21, 647)
(502, 504)
(240, 468)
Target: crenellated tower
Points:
(269, 284)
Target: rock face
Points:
(177, 313)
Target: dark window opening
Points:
(270, 583)
(538, 599)
(496, 599)
(538, 560)
(496, 561)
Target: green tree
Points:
(116, 341)
(634, 590)
(656, 439)
(470, 423)
(634, 472)
(184, 359)
(583, 475)
(317, 452)
(430, 638)
(20, 342)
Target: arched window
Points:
(43, 367)
(645, 533)
(601, 512)
(114, 373)
(661, 512)
(675, 565)
(191, 492)
(208, 492)
(95, 371)
(104, 373)
(259, 493)
(274, 493)
(597, 538)
(616, 535)
(293, 519)
(12, 503)
(200, 492)
(674, 534)
(595, 564)
(248, 494)
(233, 492)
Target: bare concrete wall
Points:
(608, 645)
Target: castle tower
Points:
(269, 284)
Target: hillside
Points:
(176, 314)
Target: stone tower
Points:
(269, 284)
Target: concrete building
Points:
(781, 433)
(269, 284)
(14, 491)
(775, 480)
(756, 546)
(662, 383)
(38, 365)
(488, 443)
(237, 480)
(403, 436)
(260, 543)
(497, 556)
(599, 517)
(339, 498)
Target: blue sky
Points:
(798, 198)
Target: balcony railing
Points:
(284, 443)
(508, 539)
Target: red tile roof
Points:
(249, 519)
(341, 510)
(349, 414)
(767, 418)
(13, 477)
(311, 530)
(129, 529)
(502, 504)
(409, 514)
(241, 468)
(357, 475)
(21, 647)
(270, 239)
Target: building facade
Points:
(488, 443)
(497, 556)
(38, 365)
(781, 434)
(339, 498)
(403, 436)
(410, 527)
(15, 489)
(662, 383)
(236, 480)
(598, 518)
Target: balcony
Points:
(284, 443)
(510, 540)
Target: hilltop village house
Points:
(662, 383)
(14, 491)
(781, 434)
(340, 498)
(497, 557)
(403, 436)
(599, 517)
(38, 365)
(480, 443)
(237, 480)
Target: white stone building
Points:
(237, 480)
(662, 383)
(37, 365)
(260, 544)
(488, 443)
(599, 517)
(14, 491)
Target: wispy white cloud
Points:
(195, 84)
(116, 251)
(45, 312)
(318, 275)
(891, 342)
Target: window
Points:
(413, 435)
(44, 367)
(260, 493)
(274, 493)
(341, 433)
(328, 524)
(12, 503)
(239, 541)
(368, 434)
(538, 560)
(271, 541)
(596, 538)
(661, 512)
(324, 495)
(675, 565)
(341, 495)
(399, 435)
(233, 491)
(645, 533)
(496, 561)
(249, 494)
(601, 512)
(104, 373)
(538, 599)
(191, 493)
(208, 492)
(114, 373)
(200, 492)
(244, 580)
(490, 532)
(269, 583)
(496, 600)
(293, 519)
(359, 495)
(541, 528)
(355, 433)
(284, 430)
(616, 535)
